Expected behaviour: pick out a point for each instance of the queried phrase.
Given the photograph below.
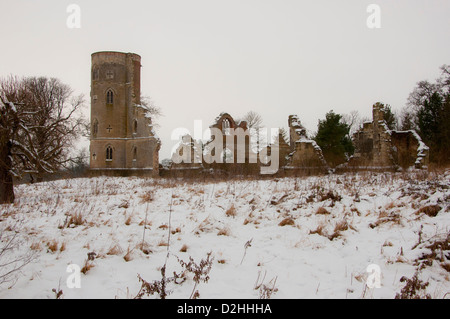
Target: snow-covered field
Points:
(311, 237)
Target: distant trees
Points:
(428, 111)
(334, 139)
(39, 123)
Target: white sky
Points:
(275, 57)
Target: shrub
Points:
(413, 289)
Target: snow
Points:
(305, 264)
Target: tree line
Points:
(41, 119)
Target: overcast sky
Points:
(200, 58)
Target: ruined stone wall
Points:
(378, 147)
(305, 154)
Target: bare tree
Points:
(353, 120)
(8, 126)
(254, 124)
(40, 120)
(253, 119)
(152, 110)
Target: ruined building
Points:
(228, 151)
(233, 151)
(123, 140)
(305, 156)
(378, 147)
(122, 136)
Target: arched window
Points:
(94, 127)
(135, 126)
(109, 153)
(226, 126)
(109, 97)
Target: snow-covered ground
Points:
(280, 234)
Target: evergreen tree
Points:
(429, 112)
(390, 118)
(333, 138)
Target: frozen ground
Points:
(309, 237)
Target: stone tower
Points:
(122, 136)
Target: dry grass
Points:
(231, 212)
(176, 230)
(224, 232)
(322, 211)
(384, 217)
(320, 230)
(77, 219)
(338, 228)
(147, 197)
(446, 266)
(430, 210)
(341, 226)
(184, 248)
(52, 246)
(62, 247)
(355, 210)
(35, 246)
(145, 248)
(88, 265)
(115, 250)
(287, 221)
(148, 223)
(73, 220)
(128, 220)
(163, 243)
(128, 256)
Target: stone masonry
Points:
(122, 136)
(378, 147)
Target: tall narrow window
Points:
(226, 126)
(135, 126)
(109, 153)
(134, 154)
(95, 128)
(109, 97)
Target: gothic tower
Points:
(122, 136)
